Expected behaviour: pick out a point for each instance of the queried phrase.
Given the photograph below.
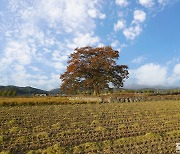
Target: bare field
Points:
(136, 127)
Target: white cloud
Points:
(58, 66)
(119, 25)
(147, 3)
(95, 13)
(176, 69)
(150, 74)
(35, 69)
(20, 75)
(102, 16)
(53, 81)
(139, 60)
(59, 56)
(63, 15)
(115, 44)
(132, 32)
(175, 77)
(18, 51)
(122, 3)
(71, 15)
(92, 13)
(174, 60)
(139, 16)
(82, 40)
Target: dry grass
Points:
(4, 101)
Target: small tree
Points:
(14, 93)
(4, 93)
(93, 69)
(9, 93)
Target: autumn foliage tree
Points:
(93, 69)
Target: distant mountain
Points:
(138, 87)
(31, 90)
(54, 91)
(23, 90)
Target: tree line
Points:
(7, 93)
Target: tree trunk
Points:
(96, 91)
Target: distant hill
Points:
(139, 87)
(54, 91)
(23, 90)
(31, 90)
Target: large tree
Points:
(93, 69)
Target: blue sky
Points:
(37, 36)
